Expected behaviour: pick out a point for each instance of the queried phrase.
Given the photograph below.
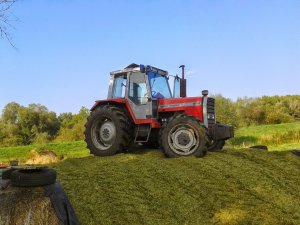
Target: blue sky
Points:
(67, 48)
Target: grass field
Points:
(227, 187)
(232, 186)
(276, 137)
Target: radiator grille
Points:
(211, 111)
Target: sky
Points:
(66, 48)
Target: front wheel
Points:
(183, 135)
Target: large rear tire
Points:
(183, 135)
(107, 131)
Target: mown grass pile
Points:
(228, 187)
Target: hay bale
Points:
(44, 157)
(46, 205)
(26, 206)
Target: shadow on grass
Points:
(140, 149)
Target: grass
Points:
(276, 137)
(228, 187)
(233, 186)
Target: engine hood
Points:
(172, 103)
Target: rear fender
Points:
(121, 102)
(115, 101)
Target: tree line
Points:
(35, 124)
(257, 111)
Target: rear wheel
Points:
(183, 135)
(107, 131)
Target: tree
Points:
(225, 110)
(26, 125)
(35, 120)
(10, 113)
(72, 126)
(6, 19)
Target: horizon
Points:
(237, 49)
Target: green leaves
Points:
(256, 111)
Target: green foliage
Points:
(26, 125)
(21, 125)
(42, 138)
(72, 126)
(225, 110)
(257, 111)
(10, 113)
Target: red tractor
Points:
(141, 108)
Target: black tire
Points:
(7, 173)
(183, 131)
(261, 147)
(296, 152)
(107, 131)
(33, 177)
(216, 145)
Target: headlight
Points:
(211, 116)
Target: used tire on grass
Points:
(216, 145)
(33, 177)
(183, 135)
(261, 147)
(107, 131)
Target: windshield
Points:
(159, 86)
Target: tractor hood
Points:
(187, 105)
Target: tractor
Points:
(141, 110)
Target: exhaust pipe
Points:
(182, 82)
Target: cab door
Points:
(138, 95)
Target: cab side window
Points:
(119, 87)
(138, 92)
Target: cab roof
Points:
(140, 68)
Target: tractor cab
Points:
(142, 86)
(144, 82)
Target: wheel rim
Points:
(183, 140)
(103, 133)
